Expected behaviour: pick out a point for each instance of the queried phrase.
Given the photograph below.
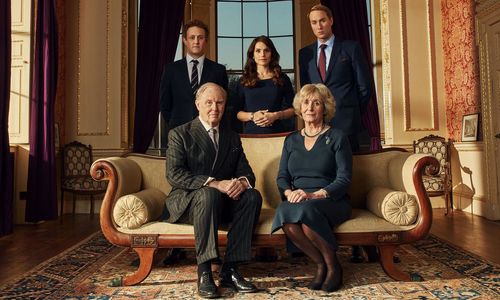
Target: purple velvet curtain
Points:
(159, 25)
(6, 165)
(350, 22)
(41, 202)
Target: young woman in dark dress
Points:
(314, 176)
(265, 93)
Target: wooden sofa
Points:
(392, 169)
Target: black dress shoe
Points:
(207, 287)
(175, 255)
(231, 278)
(357, 255)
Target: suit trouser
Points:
(208, 208)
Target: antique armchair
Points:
(75, 174)
(439, 184)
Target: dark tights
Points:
(329, 272)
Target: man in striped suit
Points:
(212, 184)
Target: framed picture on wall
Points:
(470, 124)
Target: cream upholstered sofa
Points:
(390, 205)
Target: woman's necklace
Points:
(316, 134)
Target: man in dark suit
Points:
(341, 66)
(212, 183)
(181, 79)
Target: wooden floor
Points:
(30, 245)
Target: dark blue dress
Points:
(328, 166)
(265, 95)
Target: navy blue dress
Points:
(265, 95)
(328, 166)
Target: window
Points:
(239, 22)
(20, 73)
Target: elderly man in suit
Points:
(340, 65)
(181, 79)
(212, 184)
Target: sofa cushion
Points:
(398, 208)
(133, 210)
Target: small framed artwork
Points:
(469, 127)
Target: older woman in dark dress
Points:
(314, 177)
(265, 93)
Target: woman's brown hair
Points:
(250, 77)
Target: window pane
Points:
(254, 19)
(228, 19)
(178, 51)
(292, 79)
(246, 44)
(284, 45)
(369, 12)
(229, 53)
(280, 18)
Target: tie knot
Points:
(323, 46)
(195, 62)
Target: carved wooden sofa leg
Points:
(387, 262)
(145, 266)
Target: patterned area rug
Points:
(84, 271)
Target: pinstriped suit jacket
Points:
(190, 156)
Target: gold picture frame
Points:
(470, 124)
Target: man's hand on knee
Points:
(233, 188)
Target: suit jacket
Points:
(190, 161)
(176, 95)
(347, 77)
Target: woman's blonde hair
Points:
(325, 96)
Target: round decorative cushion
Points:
(396, 207)
(133, 210)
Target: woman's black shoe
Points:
(318, 280)
(333, 284)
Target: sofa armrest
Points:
(124, 176)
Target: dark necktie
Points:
(213, 135)
(194, 76)
(322, 62)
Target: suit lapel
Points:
(337, 45)
(207, 67)
(224, 144)
(202, 139)
(313, 64)
(184, 72)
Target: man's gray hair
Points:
(207, 85)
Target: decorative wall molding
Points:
(124, 79)
(80, 132)
(488, 40)
(469, 146)
(100, 153)
(429, 29)
(386, 72)
(486, 7)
